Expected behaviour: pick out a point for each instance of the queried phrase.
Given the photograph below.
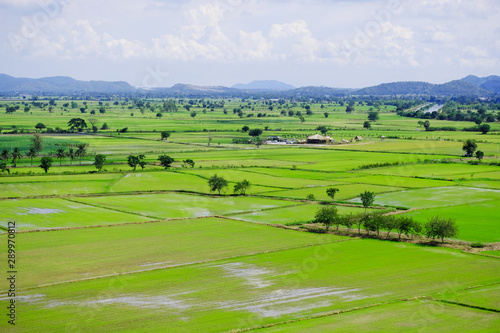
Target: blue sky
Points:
(223, 42)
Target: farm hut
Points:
(345, 141)
(383, 137)
(316, 138)
(358, 138)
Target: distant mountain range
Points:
(61, 85)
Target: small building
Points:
(358, 138)
(316, 138)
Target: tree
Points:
(5, 154)
(4, 167)
(245, 128)
(165, 135)
(255, 132)
(60, 154)
(326, 114)
(189, 162)
(403, 225)
(326, 215)
(373, 116)
(16, 156)
(99, 161)
(37, 142)
(217, 183)
(323, 129)
(71, 155)
(46, 163)
(81, 150)
(349, 109)
(31, 154)
(347, 221)
(367, 125)
(241, 187)
(133, 161)
(427, 124)
(437, 227)
(367, 198)
(104, 126)
(479, 155)
(484, 128)
(302, 119)
(390, 223)
(331, 192)
(469, 147)
(193, 114)
(40, 126)
(77, 123)
(165, 161)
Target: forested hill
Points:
(453, 88)
(61, 85)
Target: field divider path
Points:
(114, 209)
(108, 188)
(199, 262)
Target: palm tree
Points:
(31, 153)
(16, 155)
(81, 151)
(60, 154)
(71, 155)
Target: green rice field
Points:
(156, 249)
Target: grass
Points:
(101, 251)
(411, 316)
(35, 214)
(174, 205)
(477, 222)
(256, 290)
(286, 215)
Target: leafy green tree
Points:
(5, 154)
(77, 123)
(37, 142)
(241, 187)
(331, 192)
(373, 116)
(217, 183)
(165, 135)
(245, 128)
(99, 161)
(323, 129)
(255, 132)
(390, 223)
(31, 154)
(165, 161)
(302, 119)
(46, 163)
(326, 114)
(367, 199)
(469, 147)
(484, 128)
(348, 221)
(404, 225)
(367, 125)
(189, 162)
(4, 167)
(442, 228)
(427, 125)
(16, 156)
(40, 126)
(193, 114)
(479, 155)
(81, 151)
(326, 215)
(134, 161)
